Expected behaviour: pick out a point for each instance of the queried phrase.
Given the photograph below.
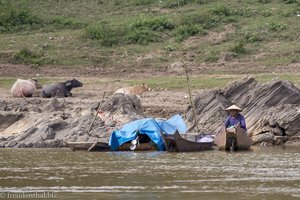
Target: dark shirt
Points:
(230, 121)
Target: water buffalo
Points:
(136, 89)
(60, 89)
(25, 88)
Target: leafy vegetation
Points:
(29, 57)
(105, 33)
(15, 19)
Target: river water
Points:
(268, 173)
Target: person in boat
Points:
(234, 118)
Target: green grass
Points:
(115, 33)
(171, 83)
(208, 81)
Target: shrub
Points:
(264, 1)
(239, 48)
(155, 23)
(65, 22)
(141, 36)
(169, 48)
(103, 33)
(185, 31)
(267, 13)
(143, 2)
(206, 20)
(175, 3)
(289, 1)
(251, 38)
(26, 56)
(13, 18)
(276, 26)
(222, 10)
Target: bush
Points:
(13, 18)
(222, 10)
(143, 2)
(276, 26)
(103, 33)
(169, 48)
(65, 22)
(251, 38)
(206, 20)
(267, 13)
(141, 36)
(26, 56)
(264, 1)
(239, 48)
(185, 31)
(175, 3)
(289, 1)
(155, 23)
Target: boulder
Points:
(264, 137)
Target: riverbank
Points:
(271, 110)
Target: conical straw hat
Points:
(234, 107)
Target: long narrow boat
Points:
(188, 143)
(232, 139)
(88, 146)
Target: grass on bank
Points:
(171, 83)
(106, 33)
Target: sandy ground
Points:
(156, 103)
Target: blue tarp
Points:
(150, 127)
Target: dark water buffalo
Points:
(61, 89)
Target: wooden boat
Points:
(139, 147)
(232, 139)
(186, 143)
(88, 146)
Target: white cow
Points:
(25, 88)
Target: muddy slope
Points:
(272, 109)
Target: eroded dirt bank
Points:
(272, 111)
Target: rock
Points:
(11, 143)
(52, 121)
(271, 107)
(123, 104)
(278, 140)
(54, 143)
(35, 109)
(83, 138)
(8, 118)
(55, 105)
(264, 137)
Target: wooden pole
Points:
(190, 95)
(99, 106)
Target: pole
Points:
(99, 106)
(190, 95)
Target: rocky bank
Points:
(272, 112)
(35, 122)
(272, 109)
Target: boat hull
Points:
(88, 146)
(238, 139)
(180, 144)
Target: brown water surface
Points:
(263, 173)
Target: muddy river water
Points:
(263, 173)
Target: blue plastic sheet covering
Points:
(150, 127)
